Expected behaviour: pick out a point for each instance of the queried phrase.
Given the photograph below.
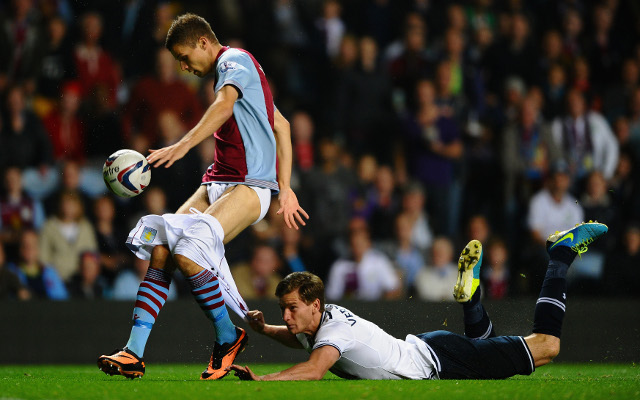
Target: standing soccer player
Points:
(235, 193)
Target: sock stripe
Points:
(161, 292)
(553, 301)
(488, 332)
(206, 288)
(157, 299)
(201, 278)
(149, 299)
(210, 298)
(145, 306)
(158, 274)
(214, 306)
(163, 284)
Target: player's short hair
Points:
(309, 287)
(187, 29)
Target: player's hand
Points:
(290, 209)
(168, 155)
(255, 319)
(244, 373)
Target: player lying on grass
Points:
(236, 192)
(352, 347)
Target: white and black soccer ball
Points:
(126, 173)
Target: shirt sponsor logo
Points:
(148, 234)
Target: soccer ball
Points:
(126, 173)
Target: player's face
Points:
(196, 60)
(297, 315)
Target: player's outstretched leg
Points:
(562, 248)
(477, 324)
(230, 340)
(152, 294)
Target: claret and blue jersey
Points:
(245, 144)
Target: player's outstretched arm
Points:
(289, 206)
(315, 368)
(279, 333)
(217, 114)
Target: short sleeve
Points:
(233, 70)
(336, 334)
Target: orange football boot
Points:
(223, 355)
(122, 362)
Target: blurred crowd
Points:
(417, 125)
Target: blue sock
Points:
(206, 289)
(152, 294)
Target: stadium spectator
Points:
(410, 66)
(572, 30)
(10, 285)
(414, 199)
(37, 275)
(552, 54)
(603, 47)
(617, 95)
(154, 94)
(496, 271)
(435, 279)
(125, 287)
(406, 255)
(554, 87)
(95, 66)
(88, 283)
(325, 193)
(258, 278)
(433, 145)
(382, 205)
(109, 235)
(527, 150)
(178, 179)
(621, 273)
(57, 66)
(71, 175)
(302, 133)
(20, 45)
(66, 235)
(24, 141)
(65, 127)
(363, 105)
(367, 275)
(586, 140)
(18, 211)
(512, 56)
(547, 207)
(294, 252)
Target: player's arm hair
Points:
(217, 114)
(282, 132)
(281, 334)
(320, 360)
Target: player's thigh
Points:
(236, 209)
(198, 200)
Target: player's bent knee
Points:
(161, 259)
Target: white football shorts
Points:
(215, 190)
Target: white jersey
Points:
(368, 352)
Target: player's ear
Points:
(202, 42)
(316, 305)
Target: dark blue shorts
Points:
(458, 357)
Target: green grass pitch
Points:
(172, 381)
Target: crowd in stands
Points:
(417, 125)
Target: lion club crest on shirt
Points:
(148, 234)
